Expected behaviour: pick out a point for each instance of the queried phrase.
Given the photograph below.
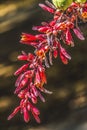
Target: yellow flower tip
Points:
(40, 53)
(23, 37)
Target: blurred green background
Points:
(66, 108)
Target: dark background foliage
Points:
(66, 108)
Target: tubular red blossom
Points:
(46, 8)
(30, 57)
(40, 37)
(44, 29)
(64, 53)
(35, 28)
(14, 112)
(63, 58)
(29, 43)
(22, 57)
(26, 115)
(78, 33)
(42, 75)
(36, 111)
(37, 80)
(52, 23)
(27, 37)
(47, 44)
(69, 40)
(22, 93)
(60, 26)
(40, 96)
(34, 90)
(36, 117)
(20, 77)
(22, 69)
(21, 85)
(46, 91)
(34, 99)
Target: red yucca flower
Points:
(48, 44)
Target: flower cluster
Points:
(48, 44)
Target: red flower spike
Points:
(47, 44)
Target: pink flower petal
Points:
(37, 80)
(46, 8)
(26, 115)
(36, 117)
(22, 57)
(14, 112)
(36, 111)
(78, 33)
(63, 58)
(21, 69)
(69, 39)
(63, 52)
